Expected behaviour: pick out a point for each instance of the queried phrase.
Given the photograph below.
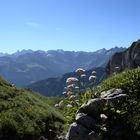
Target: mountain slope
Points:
(25, 67)
(25, 115)
(55, 86)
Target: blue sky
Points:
(84, 25)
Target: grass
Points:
(26, 115)
(128, 80)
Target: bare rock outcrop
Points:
(128, 59)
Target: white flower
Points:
(64, 93)
(70, 86)
(69, 105)
(94, 73)
(118, 111)
(76, 87)
(80, 71)
(69, 93)
(83, 76)
(61, 103)
(92, 78)
(104, 128)
(71, 80)
(72, 97)
(103, 117)
(56, 105)
(13, 85)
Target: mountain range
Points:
(27, 66)
(27, 115)
(127, 59)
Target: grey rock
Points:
(93, 107)
(77, 132)
(116, 98)
(111, 93)
(86, 121)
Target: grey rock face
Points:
(88, 116)
(128, 59)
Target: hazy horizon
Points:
(73, 25)
(58, 50)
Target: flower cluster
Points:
(71, 80)
(92, 78)
(75, 86)
(72, 86)
(80, 71)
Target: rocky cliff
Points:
(128, 59)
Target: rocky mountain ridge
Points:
(128, 59)
(27, 66)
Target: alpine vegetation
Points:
(77, 91)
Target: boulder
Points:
(93, 107)
(77, 132)
(86, 121)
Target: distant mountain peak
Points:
(3, 54)
(22, 52)
(101, 50)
